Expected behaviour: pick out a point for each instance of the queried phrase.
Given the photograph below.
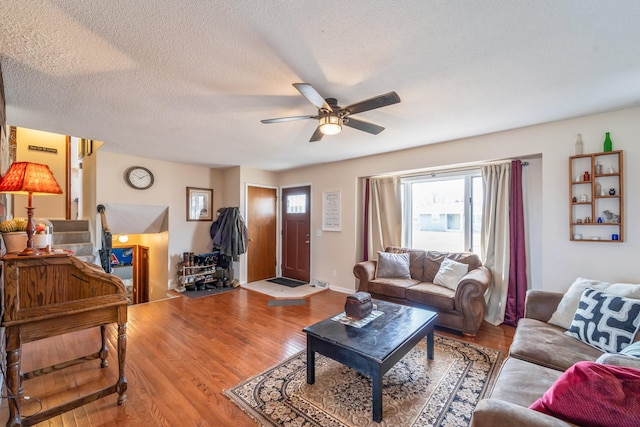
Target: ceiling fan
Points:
(331, 117)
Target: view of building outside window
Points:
(445, 214)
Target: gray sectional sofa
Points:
(539, 355)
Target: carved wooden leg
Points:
(104, 350)
(122, 353)
(13, 375)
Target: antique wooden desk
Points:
(49, 295)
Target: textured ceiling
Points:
(190, 80)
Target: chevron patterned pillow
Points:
(606, 322)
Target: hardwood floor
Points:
(181, 354)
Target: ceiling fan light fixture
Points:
(330, 125)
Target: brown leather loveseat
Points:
(460, 307)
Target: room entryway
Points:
(296, 233)
(261, 227)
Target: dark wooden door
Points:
(141, 277)
(296, 233)
(262, 229)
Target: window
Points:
(443, 212)
(297, 204)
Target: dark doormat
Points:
(207, 292)
(286, 282)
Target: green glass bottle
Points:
(608, 145)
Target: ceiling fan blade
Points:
(373, 103)
(288, 119)
(312, 95)
(362, 125)
(317, 135)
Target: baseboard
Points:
(343, 290)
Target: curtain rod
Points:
(438, 171)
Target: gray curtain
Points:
(385, 210)
(495, 237)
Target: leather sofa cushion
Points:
(522, 383)
(547, 345)
(433, 259)
(432, 295)
(391, 287)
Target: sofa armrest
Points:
(364, 272)
(494, 412)
(540, 305)
(469, 298)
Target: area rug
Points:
(416, 391)
(207, 292)
(284, 281)
(278, 291)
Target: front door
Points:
(296, 233)
(262, 230)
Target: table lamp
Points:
(29, 178)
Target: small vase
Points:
(608, 145)
(579, 145)
(612, 191)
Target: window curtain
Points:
(518, 255)
(385, 215)
(365, 221)
(495, 237)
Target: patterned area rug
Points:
(416, 391)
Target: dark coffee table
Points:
(374, 348)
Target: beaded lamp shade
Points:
(29, 178)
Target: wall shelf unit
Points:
(596, 193)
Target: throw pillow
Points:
(632, 350)
(606, 322)
(563, 316)
(450, 273)
(590, 394)
(619, 359)
(393, 266)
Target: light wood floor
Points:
(181, 354)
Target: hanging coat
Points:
(229, 233)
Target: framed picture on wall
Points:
(199, 204)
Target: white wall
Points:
(169, 189)
(556, 260)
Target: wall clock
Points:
(138, 177)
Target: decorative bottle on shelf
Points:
(579, 145)
(608, 145)
(598, 189)
(586, 176)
